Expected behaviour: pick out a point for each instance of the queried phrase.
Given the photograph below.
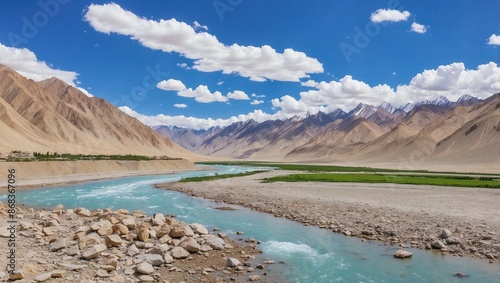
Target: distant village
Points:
(16, 155)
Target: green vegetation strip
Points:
(452, 181)
(72, 157)
(217, 177)
(333, 168)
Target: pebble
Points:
(254, 278)
(145, 268)
(43, 277)
(403, 254)
(233, 262)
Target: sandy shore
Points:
(408, 215)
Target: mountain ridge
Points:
(368, 133)
(51, 115)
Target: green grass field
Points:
(332, 173)
(434, 180)
(217, 177)
(334, 168)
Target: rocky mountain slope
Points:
(53, 116)
(428, 130)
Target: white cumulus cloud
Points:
(171, 84)
(452, 80)
(494, 39)
(180, 105)
(238, 95)
(309, 83)
(202, 94)
(418, 28)
(388, 15)
(208, 53)
(200, 123)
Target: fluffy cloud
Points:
(182, 105)
(256, 102)
(494, 39)
(383, 15)
(202, 94)
(309, 83)
(290, 105)
(416, 27)
(257, 95)
(452, 81)
(199, 123)
(171, 84)
(208, 53)
(238, 95)
(345, 93)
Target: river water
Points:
(309, 254)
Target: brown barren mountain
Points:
(463, 138)
(53, 116)
(269, 140)
(339, 137)
(436, 134)
(477, 140)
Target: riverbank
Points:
(447, 220)
(53, 173)
(80, 245)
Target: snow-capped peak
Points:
(387, 107)
(440, 101)
(363, 110)
(466, 97)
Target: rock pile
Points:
(81, 245)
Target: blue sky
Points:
(204, 63)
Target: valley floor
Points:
(406, 215)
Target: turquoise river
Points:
(309, 254)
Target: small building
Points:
(16, 154)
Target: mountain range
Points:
(53, 116)
(440, 131)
